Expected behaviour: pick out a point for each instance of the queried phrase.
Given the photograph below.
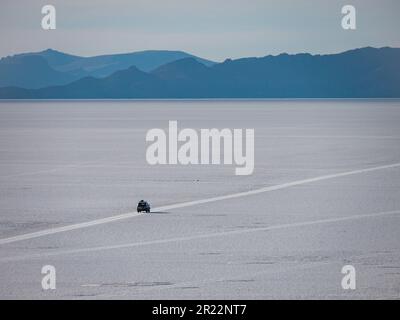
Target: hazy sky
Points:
(213, 29)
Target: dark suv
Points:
(143, 206)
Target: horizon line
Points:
(193, 99)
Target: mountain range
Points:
(50, 67)
(359, 73)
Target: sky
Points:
(211, 29)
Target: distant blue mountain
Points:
(30, 71)
(51, 67)
(360, 73)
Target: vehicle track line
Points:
(199, 236)
(96, 222)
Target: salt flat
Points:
(68, 163)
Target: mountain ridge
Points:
(68, 68)
(359, 73)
